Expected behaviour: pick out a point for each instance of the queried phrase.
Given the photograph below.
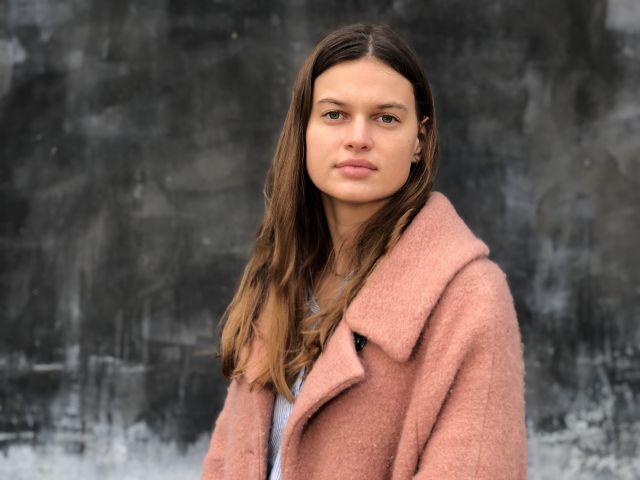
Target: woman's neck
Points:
(344, 219)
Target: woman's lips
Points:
(356, 167)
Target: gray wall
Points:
(134, 138)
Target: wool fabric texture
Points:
(436, 393)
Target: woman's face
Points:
(362, 134)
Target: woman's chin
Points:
(355, 199)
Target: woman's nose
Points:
(359, 135)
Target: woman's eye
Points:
(388, 118)
(334, 115)
(337, 115)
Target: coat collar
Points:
(392, 307)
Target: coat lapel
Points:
(336, 369)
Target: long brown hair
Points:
(293, 243)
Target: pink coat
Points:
(436, 393)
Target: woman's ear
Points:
(416, 152)
(421, 139)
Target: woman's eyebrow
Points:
(387, 105)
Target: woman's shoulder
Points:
(481, 276)
(478, 301)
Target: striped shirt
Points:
(281, 410)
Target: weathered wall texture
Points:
(134, 137)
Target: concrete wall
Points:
(134, 138)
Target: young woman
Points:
(370, 336)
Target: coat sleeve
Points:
(480, 431)
(213, 464)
